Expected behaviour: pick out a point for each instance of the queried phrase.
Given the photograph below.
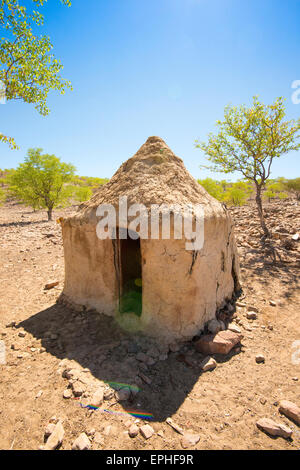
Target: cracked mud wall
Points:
(90, 278)
(182, 290)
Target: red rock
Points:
(289, 409)
(221, 343)
(274, 429)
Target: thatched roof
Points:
(154, 175)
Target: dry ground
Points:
(221, 406)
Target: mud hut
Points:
(152, 284)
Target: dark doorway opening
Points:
(131, 276)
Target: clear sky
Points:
(157, 67)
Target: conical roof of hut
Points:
(154, 175)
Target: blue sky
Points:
(157, 67)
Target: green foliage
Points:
(250, 138)
(231, 193)
(28, 69)
(274, 189)
(40, 181)
(2, 196)
(213, 187)
(81, 193)
(248, 141)
(293, 185)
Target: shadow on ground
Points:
(97, 343)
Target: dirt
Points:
(221, 406)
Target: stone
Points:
(22, 334)
(208, 364)
(260, 359)
(251, 308)
(67, 394)
(214, 326)
(56, 437)
(11, 324)
(98, 439)
(189, 440)
(147, 431)
(272, 303)
(290, 410)
(123, 394)
(78, 389)
(296, 237)
(81, 443)
(274, 429)
(175, 426)
(98, 397)
(251, 315)
(51, 285)
(234, 328)
(49, 430)
(142, 357)
(221, 343)
(133, 430)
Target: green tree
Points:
(274, 188)
(214, 188)
(249, 140)
(40, 181)
(235, 196)
(28, 69)
(293, 186)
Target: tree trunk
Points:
(49, 214)
(261, 212)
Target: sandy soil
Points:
(221, 406)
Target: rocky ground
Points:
(59, 361)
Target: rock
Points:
(221, 343)
(147, 431)
(49, 430)
(175, 426)
(133, 430)
(51, 285)
(234, 328)
(56, 437)
(260, 359)
(98, 439)
(214, 326)
(11, 324)
(78, 389)
(290, 409)
(251, 315)
(240, 304)
(190, 440)
(81, 443)
(272, 303)
(67, 394)
(108, 394)
(296, 237)
(174, 347)
(123, 394)
(98, 397)
(142, 357)
(208, 364)
(22, 334)
(274, 429)
(251, 308)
